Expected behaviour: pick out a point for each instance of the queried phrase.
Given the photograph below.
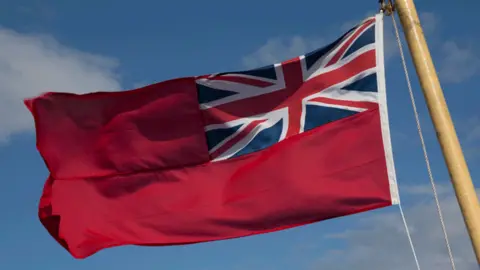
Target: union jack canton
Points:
(251, 110)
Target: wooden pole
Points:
(455, 161)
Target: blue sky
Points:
(83, 46)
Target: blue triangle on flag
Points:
(208, 94)
(316, 116)
(365, 84)
(267, 72)
(366, 38)
(216, 136)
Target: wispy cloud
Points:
(422, 190)
(379, 241)
(279, 49)
(141, 84)
(469, 133)
(429, 22)
(459, 62)
(32, 64)
(473, 130)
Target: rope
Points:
(409, 236)
(424, 148)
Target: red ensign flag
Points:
(220, 156)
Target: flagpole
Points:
(455, 161)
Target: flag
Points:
(220, 156)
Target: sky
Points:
(84, 46)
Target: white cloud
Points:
(469, 132)
(459, 63)
(32, 64)
(425, 190)
(277, 50)
(456, 61)
(429, 22)
(141, 84)
(472, 130)
(380, 242)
